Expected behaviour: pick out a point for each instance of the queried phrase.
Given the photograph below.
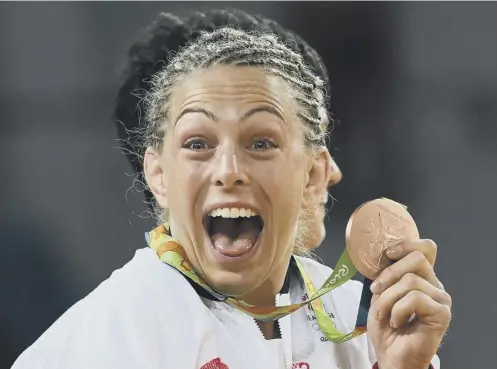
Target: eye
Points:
(196, 144)
(262, 144)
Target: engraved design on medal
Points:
(373, 228)
(383, 235)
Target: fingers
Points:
(404, 248)
(423, 307)
(409, 290)
(415, 263)
(383, 304)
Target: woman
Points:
(226, 119)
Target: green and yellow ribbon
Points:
(172, 253)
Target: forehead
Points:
(228, 86)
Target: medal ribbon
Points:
(172, 253)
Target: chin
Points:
(232, 284)
(235, 276)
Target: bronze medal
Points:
(373, 228)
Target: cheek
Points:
(184, 181)
(280, 177)
(283, 182)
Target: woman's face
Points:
(234, 174)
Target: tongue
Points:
(229, 247)
(233, 237)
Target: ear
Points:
(154, 175)
(334, 174)
(324, 173)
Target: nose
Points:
(229, 172)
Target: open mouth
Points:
(233, 231)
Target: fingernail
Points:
(394, 251)
(375, 287)
(393, 324)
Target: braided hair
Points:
(175, 47)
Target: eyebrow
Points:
(244, 117)
(267, 109)
(207, 113)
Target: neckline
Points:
(207, 295)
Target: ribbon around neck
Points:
(172, 253)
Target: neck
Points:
(270, 330)
(265, 294)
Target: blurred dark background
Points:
(414, 87)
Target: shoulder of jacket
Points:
(133, 285)
(138, 302)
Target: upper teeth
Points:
(232, 213)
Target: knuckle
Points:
(446, 314)
(410, 279)
(447, 299)
(440, 285)
(418, 256)
(431, 245)
(414, 295)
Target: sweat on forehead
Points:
(228, 46)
